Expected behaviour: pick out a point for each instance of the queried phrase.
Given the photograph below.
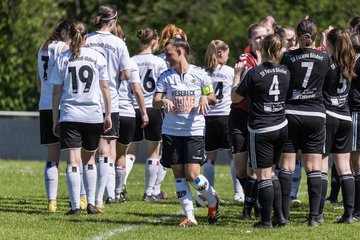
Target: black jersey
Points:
(308, 68)
(267, 86)
(354, 96)
(335, 91)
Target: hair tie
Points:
(306, 35)
(109, 18)
(77, 30)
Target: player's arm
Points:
(57, 90)
(160, 102)
(207, 98)
(125, 74)
(238, 70)
(38, 82)
(105, 90)
(141, 102)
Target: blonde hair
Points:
(271, 47)
(211, 56)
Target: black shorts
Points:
(152, 132)
(338, 135)
(238, 132)
(114, 131)
(306, 133)
(77, 135)
(216, 135)
(355, 145)
(126, 130)
(182, 150)
(47, 136)
(265, 148)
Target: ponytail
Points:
(56, 34)
(78, 32)
(211, 57)
(344, 54)
(271, 47)
(106, 13)
(306, 32)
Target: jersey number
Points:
(274, 88)
(85, 75)
(46, 60)
(309, 66)
(148, 82)
(219, 91)
(343, 85)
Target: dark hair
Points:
(106, 13)
(251, 29)
(280, 32)
(179, 42)
(306, 32)
(117, 31)
(56, 34)
(211, 56)
(78, 31)
(344, 54)
(147, 35)
(354, 22)
(271, 46)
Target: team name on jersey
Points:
(184, 101)
(274, 70)
(89, 59)
(219, 76)
(333, 66)
(306, 55)
(183, 93)
(102, 45)
(146, 64)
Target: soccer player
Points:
(237, 125)
(117, 57)
(354, 103)
(185, 91)
(150, 68)
(54, 45)
(216, 134)
(305, 112)
(338, 121)
(266, 85)
(80, 78)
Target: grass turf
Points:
(24, 215)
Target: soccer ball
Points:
(200, 200)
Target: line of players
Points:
(112, 151)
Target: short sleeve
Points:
(161, 67)
(124, 58)
(245, 84)
(161, 85)
(102, 68)
(56, 77)
(134, 71)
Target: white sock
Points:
(209, 172)
(82, 186)
(90, 176)
(110, 185)
(159, 179)
(237, 186)
(51, 179)
(130, 160)
(73, 184)
(201, 184)
(102, 166)
(185, 198)
(120, 173)
(151, 170)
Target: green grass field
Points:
(23, 212)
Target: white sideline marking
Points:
(131, 228)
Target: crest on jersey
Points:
(194, 81)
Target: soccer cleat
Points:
(246, 214)
(356, 216)
(279, 222)
(110, 200)
(83, 202)
(99, 205)
(91, 209)
(331, 201)
(238, 198)
(163, 196)
(263, 225)
(124, 194)
(188, 223)
(75, 212)
(52, 206)
(214, 212)
(148, 198)
(342, 219)
(295, 203)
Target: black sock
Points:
(324, 186)
(277, 204)
(314, 191)
(266, 197)
(250, 188)
(242, 181)
(285, 178)
(357, 191)
(335, 184)
(348, 189)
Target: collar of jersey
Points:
(103, 32)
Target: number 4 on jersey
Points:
(274, 88)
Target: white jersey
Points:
(184, 90)
(163, 57)
(222, 80)
(117, 56)
(46, 61)
(81, 95)
(126, 108)
(150, 68)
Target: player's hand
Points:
(107, 124)
(324, 36)
(56, 130)
(204, 107)
(168, 105)
(145, 120)
(239, 68)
